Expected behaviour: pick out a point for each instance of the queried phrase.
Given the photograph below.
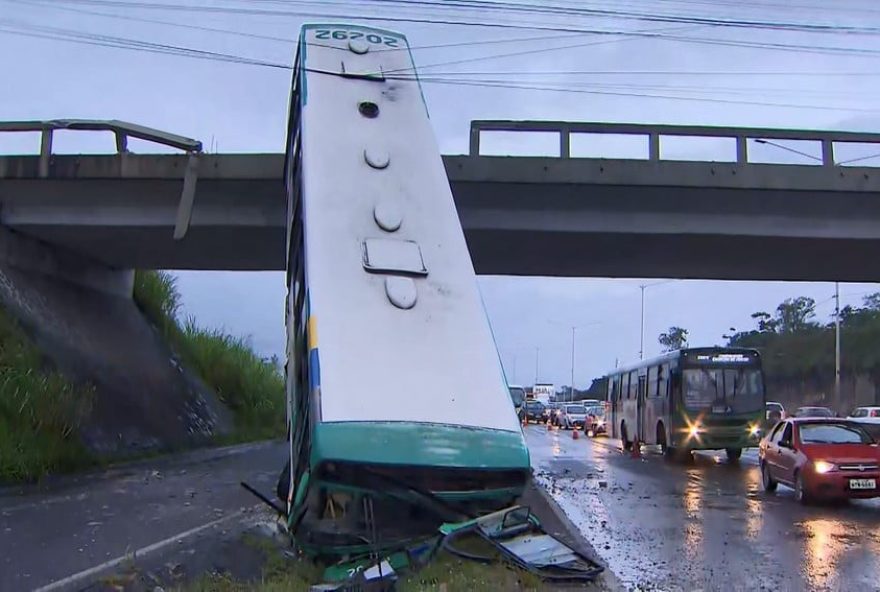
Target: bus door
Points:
(640, 408)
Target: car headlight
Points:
(694, 431)
(822, 467)
(754, 430)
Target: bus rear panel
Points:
(395, 389)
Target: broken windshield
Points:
(723, 390)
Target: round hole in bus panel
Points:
(358, 46)
(401, 291)
(378, 158)
(368, 109)
(388, 216)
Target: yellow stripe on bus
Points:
(313, 332)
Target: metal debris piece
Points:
(517, 534)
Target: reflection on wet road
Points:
(705, 524)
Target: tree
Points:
(796, 314)
(674, 338)
(766, 323)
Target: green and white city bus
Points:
(400, 411)
(692, 399)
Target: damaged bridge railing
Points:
(123, 130)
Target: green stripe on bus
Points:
(419, 444)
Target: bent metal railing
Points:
(742, 135)
(123, 131)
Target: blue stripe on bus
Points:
(314, 370)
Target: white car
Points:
(572, 416)
(869, 413)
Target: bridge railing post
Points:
(742, 150)
(45, 152)
(653, 146)
(827, 153)
(565, 143)
(474, 149)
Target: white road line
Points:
(92, 571)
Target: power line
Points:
(134, 45)
(776, 26)
(568, 11)
(832, 50)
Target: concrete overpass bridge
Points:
(555, 216)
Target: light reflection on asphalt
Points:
(705, 524)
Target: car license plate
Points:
(863, 484)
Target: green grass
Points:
(251, 387)
(445, 572)
(40, 411)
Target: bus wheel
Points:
(665, 450)
(733, 454)
(627, 444)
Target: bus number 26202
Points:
(342, 35)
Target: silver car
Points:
(572, 416)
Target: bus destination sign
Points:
(724, 358)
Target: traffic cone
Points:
(549, 426)
(574, 433)
(636, 450)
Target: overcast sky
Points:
(243, 108)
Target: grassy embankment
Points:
(251, 387)
(40, 411)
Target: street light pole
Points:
(571, 397)
(837, 342)
(537, 355)
(642, 326)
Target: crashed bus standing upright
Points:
(395, 389)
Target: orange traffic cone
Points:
(574, 433)
(636, 450)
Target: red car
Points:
(821, 458)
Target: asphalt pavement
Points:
(64, 536)
(704, 524)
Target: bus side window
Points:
(663, 381)
(624, 386)
(652, 381)
(633, 384)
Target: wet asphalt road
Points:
(706, 524)
(84, 522)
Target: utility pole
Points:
(571, 397)
(837, 342)
(642, 330)
(537, 355)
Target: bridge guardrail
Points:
(122, 130)
(565, 129)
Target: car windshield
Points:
(774, 407)
(576, 409)
(814, 412)
(534, 405)
(833, 433)
(726, 390)
(598, 411)
(517, 395)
